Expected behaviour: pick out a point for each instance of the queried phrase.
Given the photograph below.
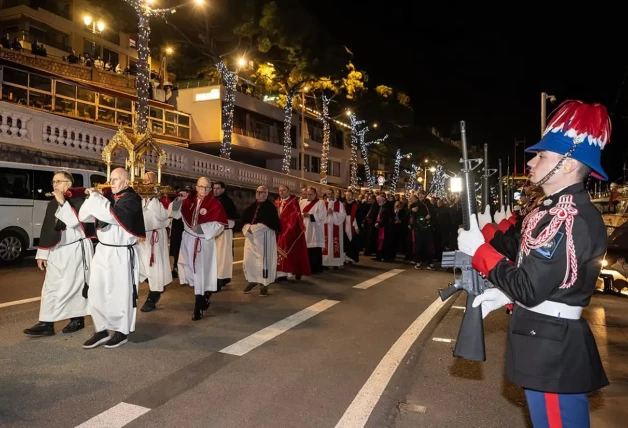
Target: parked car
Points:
(23, 201)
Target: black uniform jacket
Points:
(547, 353)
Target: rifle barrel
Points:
(468, 192)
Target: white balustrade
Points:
(56, 134)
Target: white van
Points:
(23, 202)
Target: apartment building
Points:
(257, 137)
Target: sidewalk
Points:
(447, 392)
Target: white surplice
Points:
(224, 255)
(197, 259)
(334, 219)
(156, 220)
(111, 279)
(260, 254)
(67, 271)
(314, 230)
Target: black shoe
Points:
(298, 277)
(41, 329)
(250, 287)
(207, 296)
(118, 339)
(199, 304)
(149, 305)
(151, 301)
(75, 325)
(175, 274)
(281, 278)
(96, 340)
(263, 292)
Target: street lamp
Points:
(544, 98)
(94, 28)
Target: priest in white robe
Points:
(314, 215)
(204, 218)
(153, 251)
(261, 224)
(333, 252)
(65, 253)
(224, 241)
(114, 273)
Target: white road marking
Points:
(116, 417)
(259, 338)
(441, 339)
(359, 411)
(379, 278)
(19, 302)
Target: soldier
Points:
(551, 351)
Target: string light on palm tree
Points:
(145, 11)
(395, 177)
(364, 148)
(355, 135)
(413, 172)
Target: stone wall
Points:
(242, 197)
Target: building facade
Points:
(257, 137)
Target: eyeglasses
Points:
(53, 182)
(203, 187)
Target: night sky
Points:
(488, 70)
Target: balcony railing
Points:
(48, 133)
(58, 67)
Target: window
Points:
(316, 164)
(96, 179)
(15, 183)
(42, 184)
(335, 169)
(110, 56)
(11, 75)
(65, 89)
(78, 180)
(293, 163)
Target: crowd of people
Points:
(288, 238)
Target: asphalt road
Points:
(306, 356)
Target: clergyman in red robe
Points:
(292, 257)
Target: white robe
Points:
(260, 254)
(111, 279)
(156, 220)
(67, 271)
(224, 255)
(335, 218)
(314, 231)
(200, 273)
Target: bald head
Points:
(150, 177)
(119, 180)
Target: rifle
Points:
(470, 342)
(486, 189)
(501, 186)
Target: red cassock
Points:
(292, 254)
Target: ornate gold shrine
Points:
(136, 146)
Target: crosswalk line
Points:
(379, 278)
(115, 417)
(264, 335)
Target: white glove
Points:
(500, 215)
(491, 299)
(485, 217)
(470, 240)
(508, 212)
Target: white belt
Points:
(555, 309)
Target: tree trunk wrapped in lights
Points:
(411, 184)
(355, 135)
(326, 136)
(437, 188)
(395, 177)
(287, 127)
(231, 79)
(370, 181)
